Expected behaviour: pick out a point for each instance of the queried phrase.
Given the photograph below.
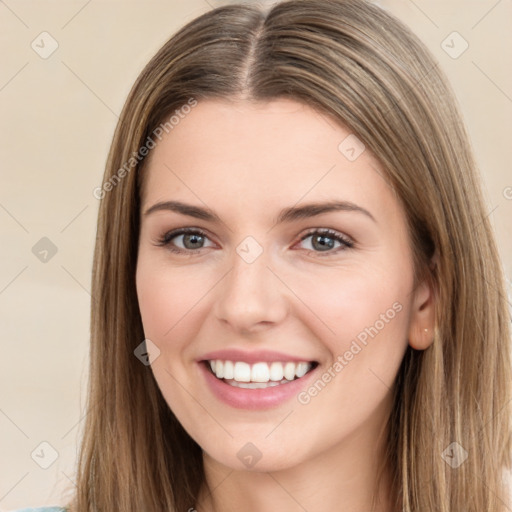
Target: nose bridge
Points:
(250, 294)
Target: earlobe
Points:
(422, 340)
(422, 320)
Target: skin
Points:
(233, 158)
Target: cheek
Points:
(364, 315)
(168, 303)
(165, 297)
(368, 312)
(348, 301)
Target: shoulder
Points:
(40, 509)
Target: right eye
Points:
(191, 237)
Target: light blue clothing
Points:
(41, 509)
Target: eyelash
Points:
(165, 240)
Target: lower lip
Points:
(262, 398)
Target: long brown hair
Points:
(361, 66)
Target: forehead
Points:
(256, 155)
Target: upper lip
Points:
(252, 357)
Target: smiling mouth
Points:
(259, 375)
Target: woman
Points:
(298, 299)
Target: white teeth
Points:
(266, 374)
(276, 371)
(228, 369)
(260, 372)
(289, 371)
(255, 385)
(302, 369)
(242, 372)
(218, 368)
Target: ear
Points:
(422, 318)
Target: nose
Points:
(251, 297)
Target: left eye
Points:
(322, 241)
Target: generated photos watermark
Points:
(356, 347)
(149, 144)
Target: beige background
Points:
(58, 116)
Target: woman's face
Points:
(258, 282)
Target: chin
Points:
(249, 457)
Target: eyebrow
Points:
(289, 214)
